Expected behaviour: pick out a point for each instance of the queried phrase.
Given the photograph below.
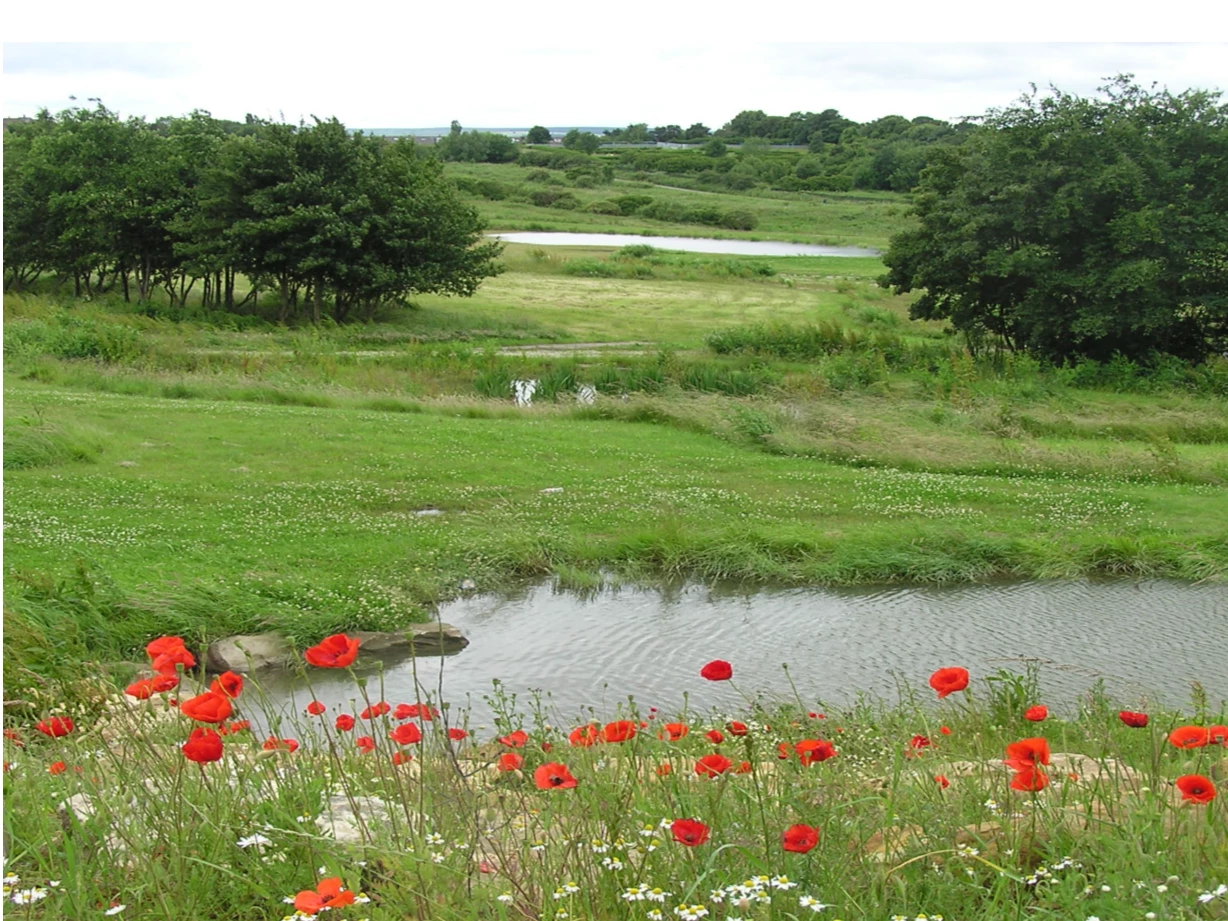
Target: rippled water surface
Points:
(684, 244)
(1147, 640)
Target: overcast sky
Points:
(374, 80)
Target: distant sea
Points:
(510, 132)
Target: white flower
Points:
(436, 857)
(434, 838)
(611, 863)
(506, 898)
(11, 879)
(28, 896)
(783, 882)
(570, 888)
(657, 895)
(362, 899)
(115, 909)
(1217, 892)
(809, 901)
(1161, 888)
(655, 914)
(253, 841)
(599, 846)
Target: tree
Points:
(715, 148)
(1074, 227)
(696, 132)
(575, 139)
(538, 135)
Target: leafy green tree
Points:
(1075, 227)
(538, 135)
(715, 148)
(696, 132)
(585, 141)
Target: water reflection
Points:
(684, 244)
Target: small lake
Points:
(685, 244)
(1147, 641)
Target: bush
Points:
(603, 207)
(631, 204)
(589, 268)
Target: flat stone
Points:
(340, 821)
(246, 653)
(433, 639)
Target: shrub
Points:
(603, 207)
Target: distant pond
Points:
(685, 244)
(1146, 640)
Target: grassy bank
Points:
(778, 810)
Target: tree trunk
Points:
(317, 302)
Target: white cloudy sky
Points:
(383, 67)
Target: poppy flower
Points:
(344, 722)
(717, 670)
(547, 747)
(515, 739)
(165, 662)
(315, 708)
(945, 730)
(272, 744)
(141, 690)
(618, 731)
(1032, 779)
(336, 651)
(509, 761)
(365, 744)
(457, 734)
(163, 644)
(583, 736)
(941, 780)
(711, 765)
(689, 832)
(164, 683)
(57, 767)
(553, 776)
(402, 757)
(55, 727)
(406, 734)
(673, 731)
(737, 729)
(415, 711)
(1189, 737)
(949, 680)
(15, 737)
(208, 707)
(715, 736)
(800, 838)
(1196, 789)
(918, 742)
(228, 684)
(374, 711)
(240, 725)
(664, 770)
(1036, 714)
(743, 768)
(202, 746)
(812, 751)
(1135, 720)
(1217, 735)
(1026, 754)
(329, 894)
(783, 751)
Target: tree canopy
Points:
(332, 221)
(1078, 227)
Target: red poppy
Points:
(509, 761)
(949, 680)
(816, 716)
(515, 739)
(1217, 735)
(365, 744)
(329, 894)
(743, 768)
(715, 736)
(1189, 737)
(1026, 754)
(1031, 778)
(315, 708)
(800, 838)
(618, 731)
(163, 644)
(402, 757)
(55, 727)
(165, 683)
(945, 730)
(673, 731)
(711, 765)
(344, 722)
(208, 707)
(15, 737)
(783, 751)
(1036, 714)
(412, 711)
(1196, 789)
(457, 734)
(737, 729)
(406, 734)
(57, 767)
(228, 684)
(664, 770)
(941, 780)
(202, 746)
(717, 670)
(165, 662)
(689, 832)
(240, 725)
(336, 651)
(918, 742)
(272, 744)
(141, 690)
(812, 751)
(553, 776)
(374, 711)
(583, 736)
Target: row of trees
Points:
(330, 221)
(1079, 227)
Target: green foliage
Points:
(477, 147)
(1079, 228)
(538, 135)
(584, 141)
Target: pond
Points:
(1146, 640)
(685, 244)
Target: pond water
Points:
(1147, 641)
(685, 244)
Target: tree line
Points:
(330, 222)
